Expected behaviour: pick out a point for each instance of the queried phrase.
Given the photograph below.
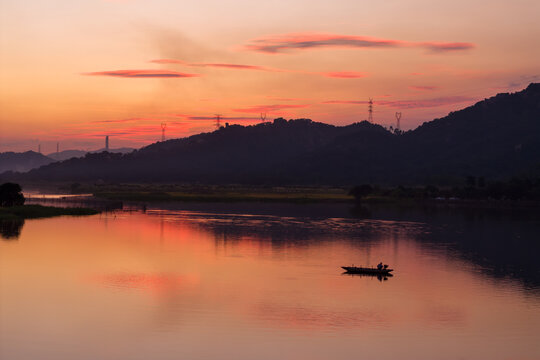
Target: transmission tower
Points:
(163, 127)
(398, 120)
(39, 148)
(218, 121)
(263, 117)
(370, 110)
(107, 143)
(57, 147)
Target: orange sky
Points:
(75, 71)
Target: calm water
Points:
(264, 282)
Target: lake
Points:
(263, 281)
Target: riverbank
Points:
(292, 197)
(39, 211)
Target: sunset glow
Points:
(79, 70)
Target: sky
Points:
(72, 72)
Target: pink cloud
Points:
(423, 87)
(344, 74)
(354, 102)
(224, 118)
(284, 99)
(142, 74)
(169, 61)
(215, 65)
(425, 103)
(269, 108)
(439, 46)
(409, 104)
(124, 120)
(332, 74)
(288, 42)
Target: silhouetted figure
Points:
(380, 266)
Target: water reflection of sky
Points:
(192, 283)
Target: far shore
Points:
(152, 193)
(39, 211)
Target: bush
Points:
(11, 195)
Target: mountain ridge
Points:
(498, 137)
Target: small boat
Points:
(369, 271)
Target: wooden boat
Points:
(367, 271)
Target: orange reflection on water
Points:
(277, 292)
(154, 283)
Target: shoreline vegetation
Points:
(38, 211)
(226, 196)
(474, 192)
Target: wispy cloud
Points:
(409, 104)
(269, 108)
(344, 74)
(423, 87)
(289, 42)
(352, 102)
(330, 74)
(230, 118)
(118, 121)
(284, 98)
(142, 74)
(426, 103)
(215, 65)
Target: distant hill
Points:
(21, 162)
(68, 154)
(496, 138)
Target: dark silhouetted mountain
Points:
(496, 138)
(21, 162)
(68, 154)
(122, 150)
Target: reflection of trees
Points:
(502, 241)
(11, 229)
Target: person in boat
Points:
(380, 266)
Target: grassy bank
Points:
(38, 211)
(295, 197)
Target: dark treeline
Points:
(527, 189)
(497, 139)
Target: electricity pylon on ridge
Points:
(163, 127)
(218, 121)
(263, 117)
(398, 120)
(370, 110)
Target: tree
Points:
(11, 195)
